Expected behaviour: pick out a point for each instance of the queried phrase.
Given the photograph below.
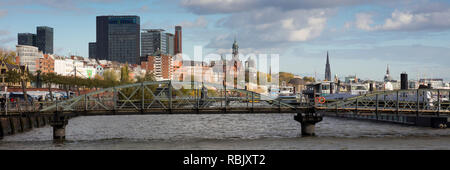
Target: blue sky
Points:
(362, 36)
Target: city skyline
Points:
(410, 36)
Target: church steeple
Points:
(328, 69)
(235, 48)
(387, 77)
(387, 70)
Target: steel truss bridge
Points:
(423, 107)
(168, 97)
(163, 97)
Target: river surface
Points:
(230, 131)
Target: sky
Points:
(361, 36)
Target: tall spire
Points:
(387, 77)
(328, 69)
(235, 48)
(387, 70)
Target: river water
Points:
(230, 131)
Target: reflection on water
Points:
(231, 131)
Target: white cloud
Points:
(313, 29)
(406, 21)
(268, 28)
(235, 6)
(364, 21)
(200, 22)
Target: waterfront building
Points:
(74, 65)
(435, 83)
(26, 39)
(28, 56)
(351, 79)
(44, 39)
(46, 64)
(118, 38)
(161, 65)
(298, 84)
(5, 67)
(196, 71)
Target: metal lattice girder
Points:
(92, 101)
(155, 98)
(401, 100)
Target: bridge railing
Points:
(423, 101)
(162, 95)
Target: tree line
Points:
(72, 83)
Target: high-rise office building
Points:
(92, 49)
(118, 38)
(170, 44)
(153, 40)
(26, 39)
(328, 69)
(44, 39)
(178, 40)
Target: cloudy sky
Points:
(362, 36)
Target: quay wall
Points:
(14, 124)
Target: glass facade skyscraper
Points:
(170, 44)
(153, 40)
(92, 50)
(44, 39)
(118, 38)
(26, 39)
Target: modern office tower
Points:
(170, 44)
(153, 40)
(328, 69)
(44, 39)
(118, 38)
(404, 81)
(92, 50)
(26, 39)
(178, 40)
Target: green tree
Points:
(8, 56)
(124, 75)
(14, 77)
(309, 79)
(49, 79)
(148, 76)
(285, 76)
(110, 78)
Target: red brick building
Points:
(46, 64)
(161, 66)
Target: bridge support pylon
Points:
(308, 121)
(59, 128)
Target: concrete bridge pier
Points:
(308, 122)
(59, 128)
